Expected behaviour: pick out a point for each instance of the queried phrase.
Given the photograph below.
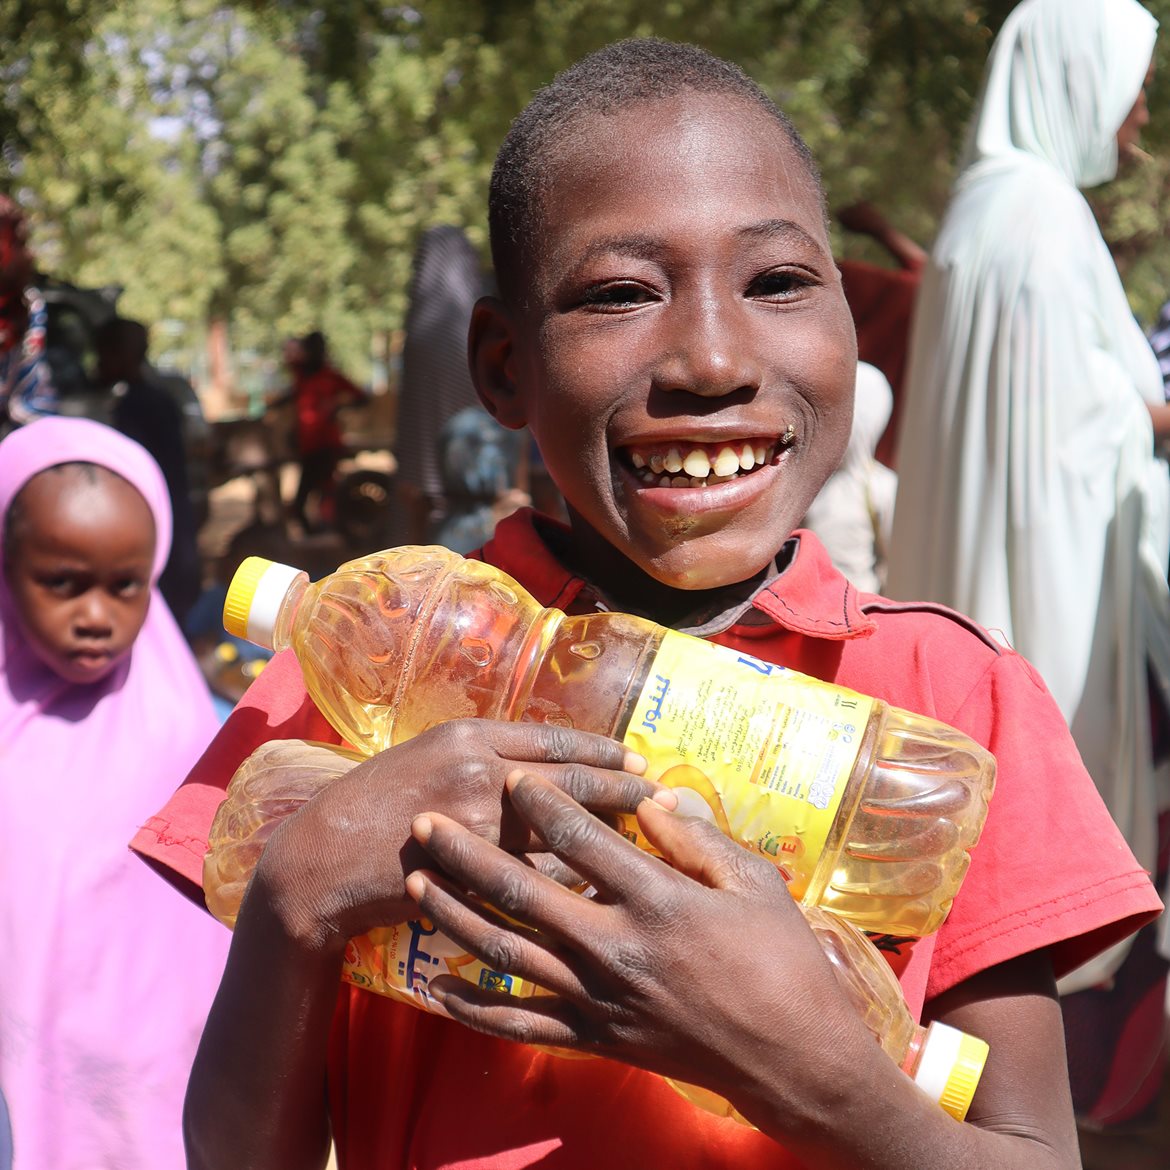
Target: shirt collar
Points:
(809, 596)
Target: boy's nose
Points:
(709, 353)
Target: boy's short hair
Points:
(622, 74)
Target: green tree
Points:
(269, 166)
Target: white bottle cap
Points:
(254, 598)
(949, 1067)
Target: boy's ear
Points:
(492, 358)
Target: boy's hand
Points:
(705, 972)
(336, 868)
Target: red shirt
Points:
(318, 395)
(1051, 870)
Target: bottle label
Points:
(401, 960)
(768, 750)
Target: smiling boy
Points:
(668, 305)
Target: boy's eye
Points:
(616, 295)
(780, 284)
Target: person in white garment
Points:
(1029, 493)
(854, 510)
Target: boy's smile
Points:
(686, 359)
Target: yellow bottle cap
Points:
(254, 598)
(964, 1078)
(949, 1067)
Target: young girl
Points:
(106, 976)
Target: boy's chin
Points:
(701, 566)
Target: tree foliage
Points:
(271, 163)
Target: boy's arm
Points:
(707, 973)
(256, 1096)
(335, 870)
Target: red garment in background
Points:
(882, 303)
(318, 395)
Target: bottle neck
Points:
(286, 617)
(914, 1051)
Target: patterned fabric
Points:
(1160, 340)
(26, 388)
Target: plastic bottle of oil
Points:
(869, 810)
(400, 960)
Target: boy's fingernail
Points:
(666, 797)
(421, 828)
(514, 777)
(416, 885)
(635, 762)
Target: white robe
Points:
(853, 512)
(1029, 494)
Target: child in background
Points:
(666, 284)
(320, 392)
(105, 980)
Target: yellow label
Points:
(401, 960)
(767, 749)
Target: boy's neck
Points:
(628, 589)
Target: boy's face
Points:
(79, 570)
(687, 359)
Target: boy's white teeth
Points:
(726, 463)
(697, 467)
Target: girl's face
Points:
(1136, 120)
(78, 569)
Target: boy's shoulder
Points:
(914, 654)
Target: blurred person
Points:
(319, 391)
(26, 387)
(106, 977)
(854, 510)
(140, 408)
(478, 461)
(446, 281)
(881, 300)
(1029, 493)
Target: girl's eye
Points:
(128, 588)
(779, 284)
(61, 584)
(616, 295)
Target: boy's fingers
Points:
(504, 948)
(596, 790)
(698, 849)
(556, 870)
(542, 1019)
(546, 743)
(516, 889)
(589, 846)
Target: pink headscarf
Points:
(106, 974)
